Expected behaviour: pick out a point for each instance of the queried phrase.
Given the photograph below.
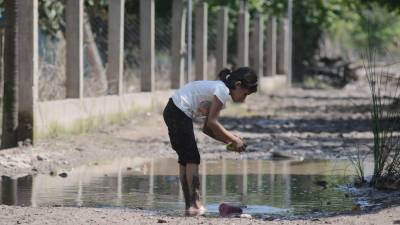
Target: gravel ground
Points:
(329, 123)
(75, 216)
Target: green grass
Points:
(92, 123)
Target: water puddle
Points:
(285, 188)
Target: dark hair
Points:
(246, 75)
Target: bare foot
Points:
(202, 209)
(194, 211)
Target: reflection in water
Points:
(16, 191)
(283, 187)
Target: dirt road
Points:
(296, 123)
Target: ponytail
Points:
(224, 74)
(246, 75)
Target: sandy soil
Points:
(75, 216)
(297, 123)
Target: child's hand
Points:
(239, 144)
(238, 137)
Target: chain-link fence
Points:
(163, 33)
(52, 51)
(95, 32)
(52, 61)
(52, 56)
(132, 46)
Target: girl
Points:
(203, 98)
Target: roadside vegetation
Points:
(385, 121)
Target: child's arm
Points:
(215, 130)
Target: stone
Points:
(162, 221)
(63, 175)
(279, 155)
(245, 216)
(268, 218)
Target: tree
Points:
(10, 99)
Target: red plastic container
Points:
(225, 209)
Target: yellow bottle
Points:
(231, 147)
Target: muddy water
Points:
(259, 186)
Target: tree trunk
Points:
(10, 99)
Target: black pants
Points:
(181, 134)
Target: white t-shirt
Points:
(194, 98)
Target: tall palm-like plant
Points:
(10, 99)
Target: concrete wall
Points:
(78, 115)
(270, 84)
